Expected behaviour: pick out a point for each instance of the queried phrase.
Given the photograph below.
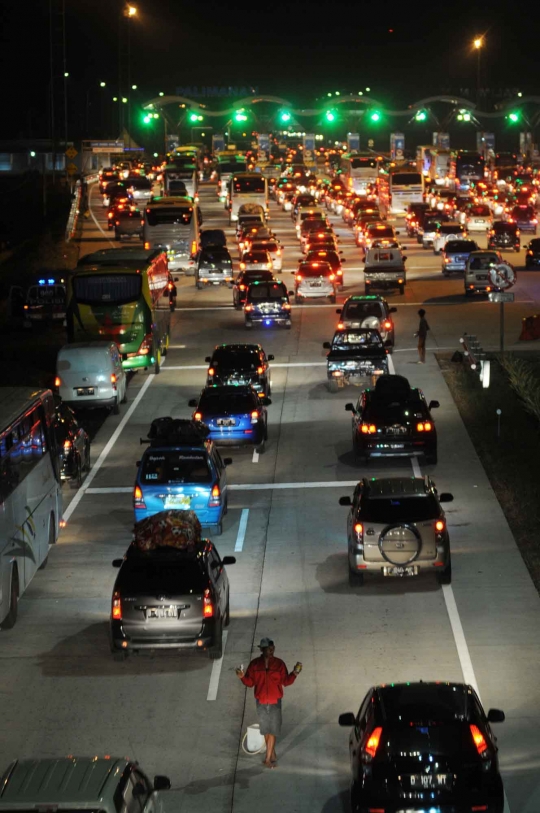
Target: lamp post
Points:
(478, 44)
(128, 13)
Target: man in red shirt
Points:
(268, 675)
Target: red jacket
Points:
(269, 682)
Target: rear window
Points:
(480, 211)
(234, 403)
(235, 360)
(424, 703)
(406, 178)
(139, 183)
(450, 228)
(534, 245)
(400, 509)
(315, 270)
(164, 575)
(380, 232)
(101, 289)
(254, 275)
(448, 738)
(273, 247)
(268, 291)
(458, 246)
(509, 228)
(360, 310)
(168, 216)
(315, 225)
(221, 257)
(173, 466)
(359, 163)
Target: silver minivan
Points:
(90, 375)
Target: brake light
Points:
(146, 345)
(254, 416)
(387, 325)
(286, 306)
(439, 525)
(373, 742)
(260, 370)
(113, 381)
(208, 606)
(116, 610)
(147, 245)
(242, 287)
(58, 381)
(193, 247)
(340, 326)
(332, 277)
(138, 501)
(248, 307)
(211, 371)
(359, 531)
(242, 266)
(215, 497)
(479, 740)
(368, 428)
(299, 277)
(197, 416)
(67, 445)
(278, 252)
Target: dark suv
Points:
(396, 527)
(503, 235)
(424, 746)
(267, 303)
(532, 257)
(237, 364)
(168, 598)
(393, 419)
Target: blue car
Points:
(267, 303)
(235, 416)
(182, 469)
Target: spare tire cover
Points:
(400, 543)
(372, 322)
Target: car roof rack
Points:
(169, 431)
(395, 387)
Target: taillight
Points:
(146, 345)
(359, 531)
(260, 370)
(368, 428)
(341, 326)
(215, 497)
(332, 277)
(439, 525)
(479, 740)
(138, 501)
(387, 325)
(67, 445)
(116, 610)
(193, 247)
(197, 416)
(242, 287)
(299, 277)
(370, 748)
(147, 245)
(425, 426)
(242, 266)
(211, 371)
(248, 307)
(286, 306)
(113, 381)
(255, 416)
(58, 381)
(278, 252)
(208, 606)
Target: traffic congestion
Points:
(224, 314)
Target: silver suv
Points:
(396, 527)
(314, 280)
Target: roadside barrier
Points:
(530, 329)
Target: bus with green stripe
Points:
(123, 295)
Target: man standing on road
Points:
(268, 675)
(421, 334)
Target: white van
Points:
(90, 375)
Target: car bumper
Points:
(206, 516)
(237, 437)
(316, 293)
(89, 402)
(214, 279)
(382, 568)
(268, 320)
(133, 637)
(454, 266)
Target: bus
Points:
(227, 164)
(30, 491)
(127, 302)
(424, 159)
(172, 224)
(505, 165)
(359, 171)
(181, 180)
(440, 170)
(247, 187)
(469, 166)
(404, 188)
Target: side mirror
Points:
(346, 501)
(496, 716)
(227, 461)
(229, 560)
(192, 402)
(208, 359)
(347, 720)
(138, 463)
(265, 401)
(344, 260)
(327, 345)
(349, 408)
(393, 310)
(162, 783)
(270, 357)
(433, 405)
(117, 562)
(446, 497)
(338, 311)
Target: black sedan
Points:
(240, 364)
(422, 746)
(532, 257)
(524, 217)
(393, 419)
(504, 235)
(73, 445)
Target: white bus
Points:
(30, 492)
(440, 171)
(404, 188)
(247, 187)
(359, 171)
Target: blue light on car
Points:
(41, 282)
(50, 281)
(267, 321)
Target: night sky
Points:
(298, 50)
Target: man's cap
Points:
(265, 642)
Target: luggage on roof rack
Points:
(168, 529)
(181, 431)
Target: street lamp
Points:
(478, 44)
(131, 11)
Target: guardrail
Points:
(476, 357)
(74, 212)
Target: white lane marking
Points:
(416, 467)
(391, 368)
(255, 458)
(243, 487)
(242, 530)
(216, 672)
(284, 364)
(103, 456)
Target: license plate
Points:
(397, 445)
(315, 285)
(162, 612)
(482, 276)
(177, 501)
(410, 570)
(438, 780)
(226, 422)
(85, 391)
(479, 221)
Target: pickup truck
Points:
(354, 356)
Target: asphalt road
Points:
(184, 715)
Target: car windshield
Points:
(364, 339)
(175, 466)
(460, 246)
(163, 574)
(265, 291)
(227, 403)
(424, 703)
(226, 359)
(361, 310)
(400, 509)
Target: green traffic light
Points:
(514, 117)
(421, 115)
(240, 115)
(146, 119)
(285, 116)
(193, 117)
(375, 116)
(330, 116)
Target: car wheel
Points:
(45, 562)
(76, 480)
(117, 236)
(446, 576)
(333, 385)
(124, 397)
(119, 655)
(355, 579)
(157, 365)
(297, 300)
(216, 652)
(288, 326)
(87, 458)
(10, 619)
(261, 447)
(200, 285)
(468, 293)
(116, 407)
(269, 389)
(402, 289)
(227, 617)
(359, 455)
